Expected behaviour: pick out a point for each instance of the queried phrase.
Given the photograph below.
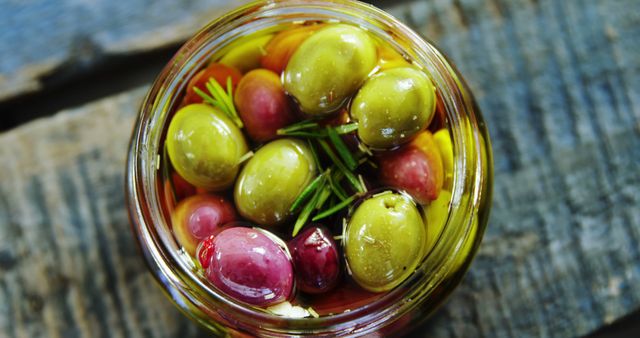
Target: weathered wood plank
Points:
(69, 266)
(49, 41)
(559, 85)
(41, 38)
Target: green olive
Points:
(384, 241)
(205, 146)
(329, 67)
(393, 106)
(272, 180)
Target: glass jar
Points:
(396, 311)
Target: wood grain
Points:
(559, 85)
(44, 41)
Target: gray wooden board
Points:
(39, 38)
(558, 82)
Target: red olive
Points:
(262, 104)
(250, 266)
(198, 217)
(315, 259)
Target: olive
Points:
(199, 216)
(272, 180)
(205, 146)
(218, 72)
(250, 266)
(263, 105)
(443, 141)
(315, 260)
(415, 167)
(393, 106)
(246, 53)
(328, 67)
(384, 241)
(435, 215)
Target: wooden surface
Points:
(48, 41)
(559, 85)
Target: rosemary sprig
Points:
(334, 181)
(297, 127)
(338, 162)
(311, 188)
(324, 196)
(314, 153)
(220, 98)
(346, 128)
(335, 208)
(306, 212)
(326, 189)
(303, 133)
(342, 149)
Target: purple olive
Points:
(315, 258)
(251, 267)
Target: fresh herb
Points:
(340, 165)
(220, 98)
(311, 188)
(342, 149)
(346, 128)
(335, 208)
(245, 157)
(306, 212)
(297, 127)
(337, 189)
(314, 153)
(325, 194)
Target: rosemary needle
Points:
(342, 149)
(313, 186)
(306, 212)
(347, 173)
(335, 209)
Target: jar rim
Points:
(143, 201)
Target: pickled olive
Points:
(384, 241)
(250, 266)
(246, 54)
(200, 216)
(272, 179)
(393, 106)
(435, 215)
(204, 251)
(177, 189)
(205, 146)
(279, 50)
(217, 71)
(443, 140)
(262, 104)
(329, 67)
(388, 58)
(415, 168)
(315, 260)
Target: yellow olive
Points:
(272, 180)
(205, 146)
(435, 216)
(246, 53)
(443, 140)
(393, 106)
(329, 67)
(384, 241)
